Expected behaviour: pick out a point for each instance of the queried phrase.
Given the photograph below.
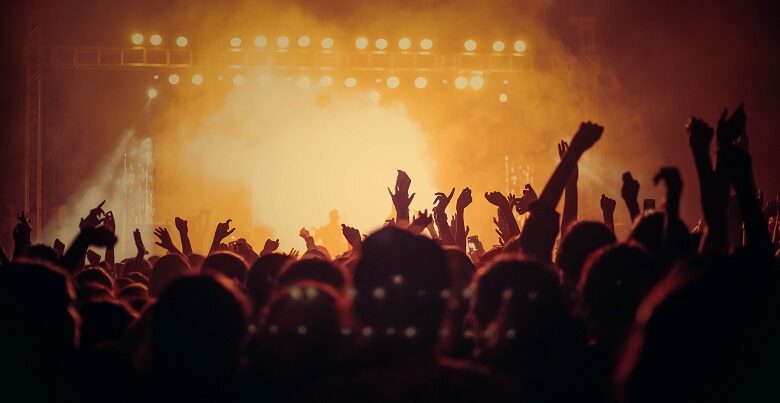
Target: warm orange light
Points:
(155, 39)
(151, 93)
(235, 42)
(420, 82)
(520, 46)
(361, 43)
(239, 80)
(476, 82)
(326, 81)
(498, 46)
(326, 43)
(381, 44)
(261, 41)
(181, 41)
(470, 45)
(304, 41)
(393, 82)
(283, 42)
(405, 43)
(461, 82)
(197, 79)
(350, 82)
(173, 79)
(426, 44)
(137, 39)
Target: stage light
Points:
(326, 43)
(503, 98)
(181, 41)
(476, 82)
(197, 79)
(261, 41)
(420, 82)
(361, 43)
(405, 43)
(374, 96)
(470, 45)
(461, 82)
(378, 81)
(381, 44)
(520, 46)
(173, 79)
(264, 80)
(304, 41)
(498, 46)
(393, 82)
(239, 80)
(155, 39)
(426, 44)
(350, 82)
(151, 93)
(235, 42)
(304, 82)
(137, 39)
(283, 42)
(506, 82)
(326, 81)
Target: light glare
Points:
(405, 43)
(520, 46)
(420, 82)
(181, 41)
(304, 41)
(304, 82)
(283, 42)
(350, 82)
(155, 39)
(151, 93)
(477, 82)
(327, 43)
(239, 80)
(498, 46)
(235, 42)
(261, 41)
(470, 45)
(426, 44)
(197, 79)
(381, 44)
(326, 81)
(361, 43)
(173, 79)
(503, 97)
(137, 39)
(461, 82)
(393, 82)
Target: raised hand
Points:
(59, 247)
(523, 204)
(671, 177)
(587, 135)
(352, 236)
(608, 211)
(497, 199)
(630, 194)
(270, 247)
(464, 199)
(94, 218)
(93, 257)
(294, 253)
(22, 230)
(731, 127)
(139, 244)
(401, 198)
(109, 223)
(699, 135)
(222, 231)
(442, 201)
(165, 240)
(304, 233)
(181, 225)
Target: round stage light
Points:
(137, 39)
(393, 82)
(261, 41)
(264, 80)
(520, 46)
(477, 82)
(426, 44)
(498, 46)
(151, 93)
(374, 96)
(155, 39)
(361, 43)
(506, 82)
(239, 80)
(470, 45)
(235, 42)
(420, 82)
(350, 82)
(173, 79)
(181, 41)
(381, 44)
(197, 79)
(283, 42)
(405, 43)
(502, 97)
(326, 43)
(304, 41)
(304, 82)
(461, 82)
(326, 81)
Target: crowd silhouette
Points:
(561, 311)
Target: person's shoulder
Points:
(466, 380)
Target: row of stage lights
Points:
(362, 43)
(475, 82)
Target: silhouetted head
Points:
(139, 278)
(319, 252)
(614, 282)
(313, 269)
(94, 275)
(196, 261)
(103, 322)
(167, 269)
(261, 278)
(227, 264)
(401, 283)
(197, 332)
(133, 291)
(42, 252)
(582, 239)
(648, 231)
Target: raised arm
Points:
(440, 217)
(222, 231)
(310, 244)
(505, 207)
(21, 234)
(401, 198)
(73, 259)
(352, 235)
(165, 241)
(570, 200)
(461, 231)
(630, 194)
(183, 228)
(608, 211)
(110, 225)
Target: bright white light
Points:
(239, 80)
(326, 81)
(264, 80)
(197, 79)
(470, 45)
(476, 82)
(304, 82)
(405, 43)
(173, 79)
(506, 82)
(235, 42)
(520, 46)
(498, 46)
(261, 41)
(381, 44)
(304, 41)
(350, 82)
(461, 82)
(420, 82)
(326, 43)
(137, 39)
(283, 42)
(361, 43)
(426, 44)
(181, 41)
(374, 97)
(502, 97)
(155, 39)
(151, 93)
(393, 82)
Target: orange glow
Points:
(137, 39)
(155, 39)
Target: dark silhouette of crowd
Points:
(561, 311)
